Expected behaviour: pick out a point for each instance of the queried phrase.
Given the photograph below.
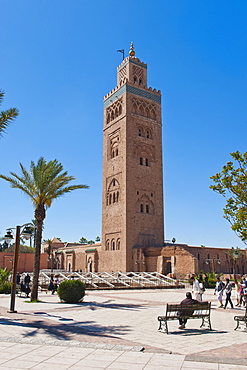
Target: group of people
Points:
(53, 284)
(24, 283)
(241, 292)
(198, 289)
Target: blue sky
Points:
(59, 59)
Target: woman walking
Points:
(228, 290)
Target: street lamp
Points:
(26, 232)
(213, 261)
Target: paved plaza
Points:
(117, 330)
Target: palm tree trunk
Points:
(39, 216)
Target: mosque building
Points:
(132, 192)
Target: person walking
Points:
(228, 290)
(27, 280)
(219, 291)
(237, 291)
(202, 288)
(196, 288)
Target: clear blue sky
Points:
(59, 59)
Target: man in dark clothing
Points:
(188, 300)
(27, 280)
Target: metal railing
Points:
(114, 280)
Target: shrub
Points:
(5, 287)
(71, 291)
(4, 275)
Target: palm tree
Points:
(7, 115)
(235, 254)
(44, 182)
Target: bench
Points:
(241, 319)
(192, 311)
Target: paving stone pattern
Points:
(116, 330)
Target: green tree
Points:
(6, 116)
(44, 182)
(231, 183)
(97, 239)
(83, 240)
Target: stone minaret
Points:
(132, 210)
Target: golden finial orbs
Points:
(132, 51)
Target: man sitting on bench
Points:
(186, 301)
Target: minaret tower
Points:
(132, 208)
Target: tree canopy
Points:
(44, 182)
(6, 116)
(231, 183)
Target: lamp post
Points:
(213, 261)
(26, 232)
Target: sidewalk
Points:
(116, 330)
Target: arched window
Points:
(141, 208)
(146, 161)
(198, 256)
(135, 79)
(120, 109)
(140, 132)
(113, 245)
(108, 118)
(112, 116)
(208, 256)
(110, 199)
(118, 244)
(141, 161)
(140, 81)
(114, 197)
(107, 245)
(116, 152)
(218, 257)
(147, 134)
(116, 112)
(147, 208)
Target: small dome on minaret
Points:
(132, 51)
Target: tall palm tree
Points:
(7, 115)
(44, 182)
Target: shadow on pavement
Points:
(67, 331)
(189, 332)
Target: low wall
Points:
(25, 262)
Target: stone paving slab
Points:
(126, 322)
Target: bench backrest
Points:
(189, 310)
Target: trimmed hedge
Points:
(5, 288)
(71, 291)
